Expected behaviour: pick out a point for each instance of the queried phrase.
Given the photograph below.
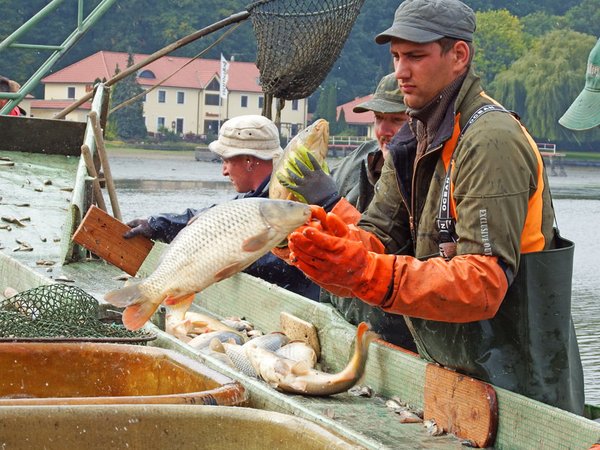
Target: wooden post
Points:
(89, 163)
(110, 185)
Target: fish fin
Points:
(216, 345)
(301, 368)
(179, 302)
(298, 385)
(257, 242)
(228, 271)
(137, 314)
(125, 296)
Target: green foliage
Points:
(127, 122)
(540, 23)
(498, 42)
(542, 84)
(326, 107)
(585, 17)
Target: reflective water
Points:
(149, 186)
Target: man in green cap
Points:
(459, 236)
(584, 112)
(354, 179)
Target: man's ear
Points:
(461, 55)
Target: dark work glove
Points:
(308, 181)
(139, 227)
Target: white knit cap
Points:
(248, 135)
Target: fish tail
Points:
(356, 366)
(137, 314)
(125, 296)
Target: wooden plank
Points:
(461, 405)
(102, 234)
(35, 135)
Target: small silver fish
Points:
(203, 340)
(215, 245)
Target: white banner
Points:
(223, 75)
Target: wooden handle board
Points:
(102, 234)
(461, 405)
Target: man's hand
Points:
(139, 227)
(307, 180)
(332, 257)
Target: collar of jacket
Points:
(470, 88)
(261, 191)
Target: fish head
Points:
(284, 215)
(316, 137)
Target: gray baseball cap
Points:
(425, 21)
(386, 99)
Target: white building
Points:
(188, 102)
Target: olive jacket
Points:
(502, 205)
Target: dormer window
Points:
(146, 74)
(214, 85)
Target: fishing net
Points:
(298, 42)
(58, 312)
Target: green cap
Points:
(386, 99)
(425, 21)
(584, 112)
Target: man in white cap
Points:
(584, 112)
(247, 145)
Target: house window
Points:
(244, 101)
(70, 92)
(179, 126)
(147, 74)
(295, 105)
(214, 85)
(211, 127)
(211, 99)
(180, 97)
(160, 123)
(162, 96)
(144, 98)
(261, 100)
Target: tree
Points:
(127, 122)
(498, 42)
(585, 17)
(543, 83)
(327, 105)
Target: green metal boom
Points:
(11, 41)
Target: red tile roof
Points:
(243, 76)
(57, 104)
(352, 118)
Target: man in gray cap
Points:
(458, 234)
(584, 112)
(354, 179)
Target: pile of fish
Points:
(288, 366)
(216, 244)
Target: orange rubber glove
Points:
(335, 257)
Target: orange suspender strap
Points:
(532, 238)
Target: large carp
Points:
(315, 138)
(216, 244)
(298, 377)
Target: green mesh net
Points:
(298, 42)
(58, 312)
